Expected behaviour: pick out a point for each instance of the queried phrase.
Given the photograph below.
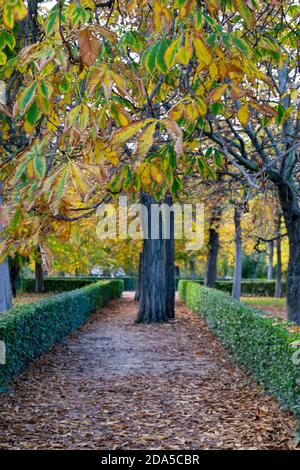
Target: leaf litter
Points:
(116, 385)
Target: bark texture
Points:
(237, 277)
(152, 305)
(270, 262)
(278, 285)
(213, 249)
(291, 214)
(169, 246)
(5, 285)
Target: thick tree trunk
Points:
(152, 306)
(291, 214)
(14, 269)
(39, 277)
(185, 270)
(138, 284)
(237, 277)
(192, 269)
(213, 249)
(169, 246)
(5, 285)
(278, 286)
(270, 263)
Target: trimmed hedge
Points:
(65, 284)
(255, 287)
(30, 330)
(261, 344)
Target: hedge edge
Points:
(263, 345)
(30, 330)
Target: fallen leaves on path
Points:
(117, 385)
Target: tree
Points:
(213, 248)
(5, 285)
(237, 278)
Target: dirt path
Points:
(116, 385)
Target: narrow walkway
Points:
(116, 385)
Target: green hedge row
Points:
(30, 330)
(262, 345)
(65, 284)
(255, 287)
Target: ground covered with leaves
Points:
(117, 385)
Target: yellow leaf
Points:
(170, 53)
(79, 180)
(145, 140)
(217, 93)
(8, 16)
(213, 70)
(122, 135)
(156, 174)
(202, 52)
(162, 17)
(244, 115)
(185, 53)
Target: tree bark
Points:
(270, 263)
(152, 305)
(14, 269)
(169, 246)
(5, 285)
(278, 286)
(39, 277)
(185, 271)
(291, 214)
(213, 249)
(138, 284)
(192, 269)
(237, 277)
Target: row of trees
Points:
(106, 97)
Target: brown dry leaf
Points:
(89, 46)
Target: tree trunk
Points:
(237, 277)
(39, 277)
(169, 246)
(192, 269)
(14, 269)
(291, 214)
(177, 271)
(152, 306)
(278, 286)
(5, 285)
(270, 264)
(185, 271)
(213, 249)
(138, 284)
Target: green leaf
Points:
(52, 21)
(26, 97)
(33, 113)
(160, 53)
(241, 45)
(10, 40)
(3, 58)
(39, 166)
